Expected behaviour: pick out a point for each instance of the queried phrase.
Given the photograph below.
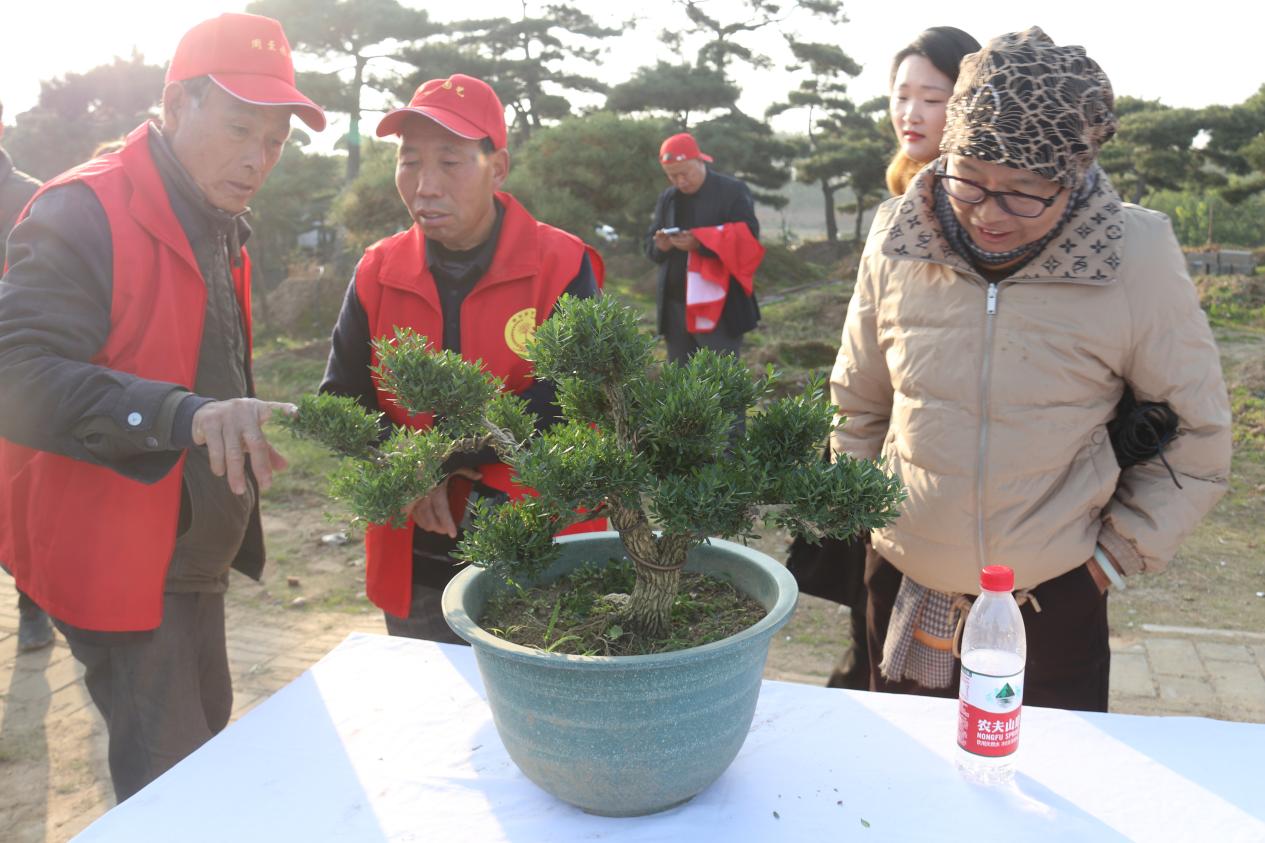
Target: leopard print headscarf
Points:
(1026, 103)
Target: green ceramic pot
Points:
(624, 736)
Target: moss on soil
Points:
(580, 614)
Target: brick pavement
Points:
(52, 742)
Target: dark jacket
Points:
(16, 189)
(721, 199)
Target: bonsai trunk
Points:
(658, 562)
(650, 610)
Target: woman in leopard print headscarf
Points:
(1003, 304)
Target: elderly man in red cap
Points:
(475, 274)
(132, 453)
(706, 295)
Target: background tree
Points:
(1154, 149)
(534, 63)
(76, 112)
(355, 31)
(675, 91)
(721, 38)
(600, 169)
(749, 149)
(294, 201)
(368, 208)
(830, 114)
(1236, 143)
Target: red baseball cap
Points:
(463, 105)
(681, 147)
(249, 57)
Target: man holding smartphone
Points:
(698, 197)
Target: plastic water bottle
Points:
(990, 699)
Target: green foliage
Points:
(574, 465)
(748, 148)
(789, 430)
(508, 412)
(1240, 225)
(676, 91)
(1154, 149)
(837, 499)
(601, 168)
(377, 491)
(337, 421)
(597, 339)
(684, 416)
(439, 382)
(1233, 299)
(1247, 407)
(715, 498)
(680, 424)
(583, 401)
(846, 145)
(369, 208)
(667, 449)
(1236, 144)
(514, 540)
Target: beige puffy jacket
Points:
(990, 401)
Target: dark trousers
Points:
(162, 693)
(25, 603)
(682, 344)
(1069, 657)
(425, 618)
(835, 570)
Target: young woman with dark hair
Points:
(922, 79)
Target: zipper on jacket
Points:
(990, 310)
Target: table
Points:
(390, 739)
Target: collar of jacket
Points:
(516, 254)
(1088, 251)
(470, 265)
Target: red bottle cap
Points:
(997, 578)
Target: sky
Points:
(1209, 53)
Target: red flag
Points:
(707, 278)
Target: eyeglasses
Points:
(1015, 204)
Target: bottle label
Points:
(988, 712)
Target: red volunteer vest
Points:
(532, 266)
(88, 545)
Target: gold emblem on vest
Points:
(519, 329)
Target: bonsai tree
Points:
(670, 457)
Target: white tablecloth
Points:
(391, 739)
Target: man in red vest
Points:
(35, 631)
(132, 453)
(475, 274)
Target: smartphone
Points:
(672, 230)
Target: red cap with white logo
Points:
(249, 57)
(681, 147)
